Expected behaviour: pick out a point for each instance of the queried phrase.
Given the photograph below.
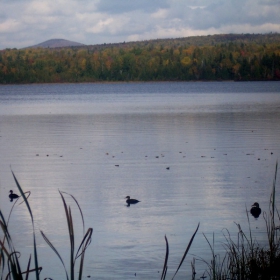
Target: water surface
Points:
(102, 142)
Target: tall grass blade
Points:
(187, 250)
(82, 216)
(193, 269)
(12, 255)
(164, 270)
(28, 267)
(71, 235)
(82, 248)
(4, 226)
(31, 215)
(272, 204)
(83, 222)
(81, 251)
(270, 220)
(211, 266)
(84, 244)
(2, 262)
(272, 199)
(56, 252)
(15, 266)
(25, 272)
(250, 231)
(72, 242)
(3, 248)
(14, 204)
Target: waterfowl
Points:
(13, 195)
(131, 200)
(256, 210)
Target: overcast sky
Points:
(28, 22)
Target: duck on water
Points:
(13, 195)
(131, 201)
(256, 210)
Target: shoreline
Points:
(138, 82)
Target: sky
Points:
(25, 23)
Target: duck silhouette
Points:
(13, 195)
(256, 210)
(131, 201)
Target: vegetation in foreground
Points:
(244, 259)
(240, 57)
(10, 257)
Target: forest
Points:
(238, 57)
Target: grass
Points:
(9, 253)
(164, 270)
(9, 257)
(244, 258)
(80, 253)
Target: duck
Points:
(256, 210)
(13, 195)
(131, 200)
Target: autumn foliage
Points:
(219, 57)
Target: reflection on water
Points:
(190, 152)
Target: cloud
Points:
(269, 2)
(124, 6)
(27, 22)
(9, 26)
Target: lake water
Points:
(190, 152)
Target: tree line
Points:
(220, 57)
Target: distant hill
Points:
(57, 43)
(199, 41)
(208, 40)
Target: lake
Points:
(191, 152)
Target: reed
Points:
(164, 270)
(80, 253)
(8, 252)
(9, 256)
(246, 258)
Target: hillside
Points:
(57, 43)
(209, 40)
(239, 57)
(199, 41)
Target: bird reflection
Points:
(131, 201)
(255, 210)
(13, 196)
